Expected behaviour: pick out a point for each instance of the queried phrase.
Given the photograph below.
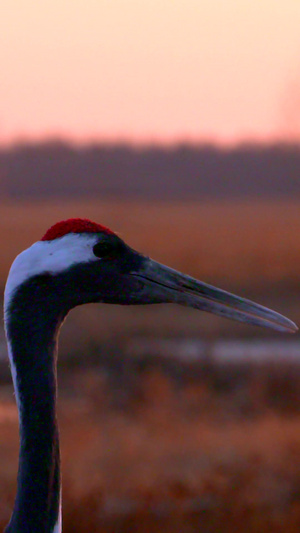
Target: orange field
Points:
(155, 455)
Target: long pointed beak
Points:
(163, 284)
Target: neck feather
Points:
(31, 329)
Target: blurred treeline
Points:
(182, 171)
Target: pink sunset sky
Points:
(150, 70)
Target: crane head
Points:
(78, 261)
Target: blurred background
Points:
(177, 124)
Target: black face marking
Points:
(107, 280)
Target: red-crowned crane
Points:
(79, 262)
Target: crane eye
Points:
(104, 250)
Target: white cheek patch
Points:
(13, 373)
(58, 525)
(50, 257)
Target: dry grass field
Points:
(163, 457)
(205, 450)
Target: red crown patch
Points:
(73, 225)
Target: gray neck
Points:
(32, 332)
